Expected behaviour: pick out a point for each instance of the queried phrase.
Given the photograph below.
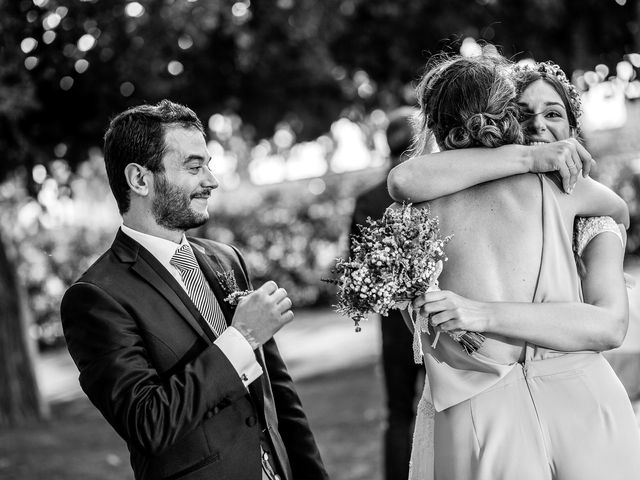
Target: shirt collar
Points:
(160, 248)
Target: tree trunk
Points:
(20, 398)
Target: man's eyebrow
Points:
(190, 158)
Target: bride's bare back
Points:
(496, 249)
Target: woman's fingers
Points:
(442, 319)
(428, 297)
(563, 169)
(432, 308)
(586, 159)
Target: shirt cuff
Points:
(240, 354)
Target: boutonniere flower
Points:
(231, 289)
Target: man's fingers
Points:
(287, 316)
(269, 287)
(285, 305)
(279, 295)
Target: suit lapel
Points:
(151, 270)
(205, 261)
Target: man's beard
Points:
(171, 206)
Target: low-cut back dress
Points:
(553, 415)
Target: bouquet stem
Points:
(435, 340)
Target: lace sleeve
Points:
(586, 228)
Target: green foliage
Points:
(291, 236)
(300, 61)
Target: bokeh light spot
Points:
(30, 62)
(602, 70)
(185, 42)
(134, 9)
(592, 78)
(175, 67)
(39, 173)
(51, 21)
(624, 71)
(28, 44)
(470, 48)
(66, 82)
(283, 138)
(60, 150)
(127, 89)
(634, 58)
(317, 186)
(48, 37)
(239, 9)
(86, 42)
(81, 65)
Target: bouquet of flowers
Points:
(395, 259)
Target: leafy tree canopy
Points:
(69, 65)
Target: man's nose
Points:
(210, 179)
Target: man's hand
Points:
(567, 157)
(451, 312)
(262, 313)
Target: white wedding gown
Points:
(422, 463)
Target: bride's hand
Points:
(452, 312)
(567, 157)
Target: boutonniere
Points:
(231, 289)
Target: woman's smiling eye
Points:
(553, 114)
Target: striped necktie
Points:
(198, 289)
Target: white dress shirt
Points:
(234, 346)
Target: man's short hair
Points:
(137, 135)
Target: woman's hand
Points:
(451, 312)
(567, 157)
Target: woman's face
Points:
(545, 116)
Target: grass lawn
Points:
(345, 409)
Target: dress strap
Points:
(587, 228)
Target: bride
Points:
(537, 400)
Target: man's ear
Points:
(137, 178)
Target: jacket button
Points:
(208, 415)
(251, 421)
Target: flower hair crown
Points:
(550, 69)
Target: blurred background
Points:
(296, 96)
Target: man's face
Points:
(181, 192)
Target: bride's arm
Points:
(592, 199)
(565, 326)
(427, 177)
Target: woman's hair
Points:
(467, 102)
(137, 136)
(526, 74)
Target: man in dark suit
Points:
(401, 374)
(194, 384)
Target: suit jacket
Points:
(147, 361)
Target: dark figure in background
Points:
(401, 374)
(193, 384)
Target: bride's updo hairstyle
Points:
(467, 102)
(525, 74)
